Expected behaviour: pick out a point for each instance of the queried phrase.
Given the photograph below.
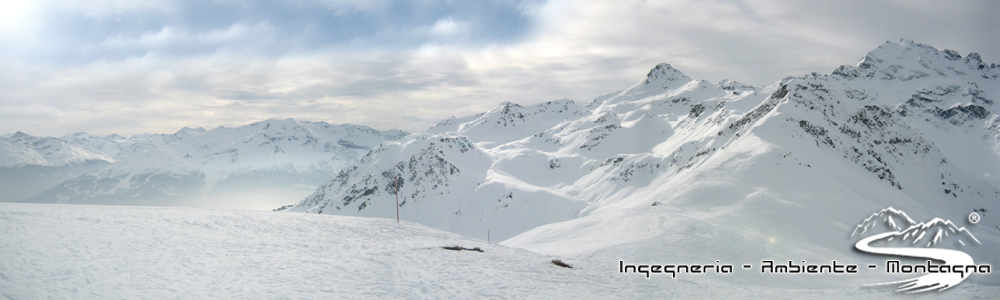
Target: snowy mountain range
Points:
(678, 169)
(29, 164)
(255, 166)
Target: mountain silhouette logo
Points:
(892, 232)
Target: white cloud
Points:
(449, 27)
(236, 36)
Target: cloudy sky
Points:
(133, 66)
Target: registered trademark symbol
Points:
(974, 218)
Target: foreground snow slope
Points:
(111, 252)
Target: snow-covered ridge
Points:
(907, 60)
(20, 149)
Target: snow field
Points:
(54, 251)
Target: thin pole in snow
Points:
(397, 198)
(487, 235)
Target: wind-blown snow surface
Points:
(258, 166)
(114, 252)
(680, 170)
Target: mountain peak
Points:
(276, 122)
(189, 130)
(974, 61)
(663, 73)
(733, 85)
(902, 49)
(908, 60)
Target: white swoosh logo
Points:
(929, 282)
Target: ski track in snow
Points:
(109, 252)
